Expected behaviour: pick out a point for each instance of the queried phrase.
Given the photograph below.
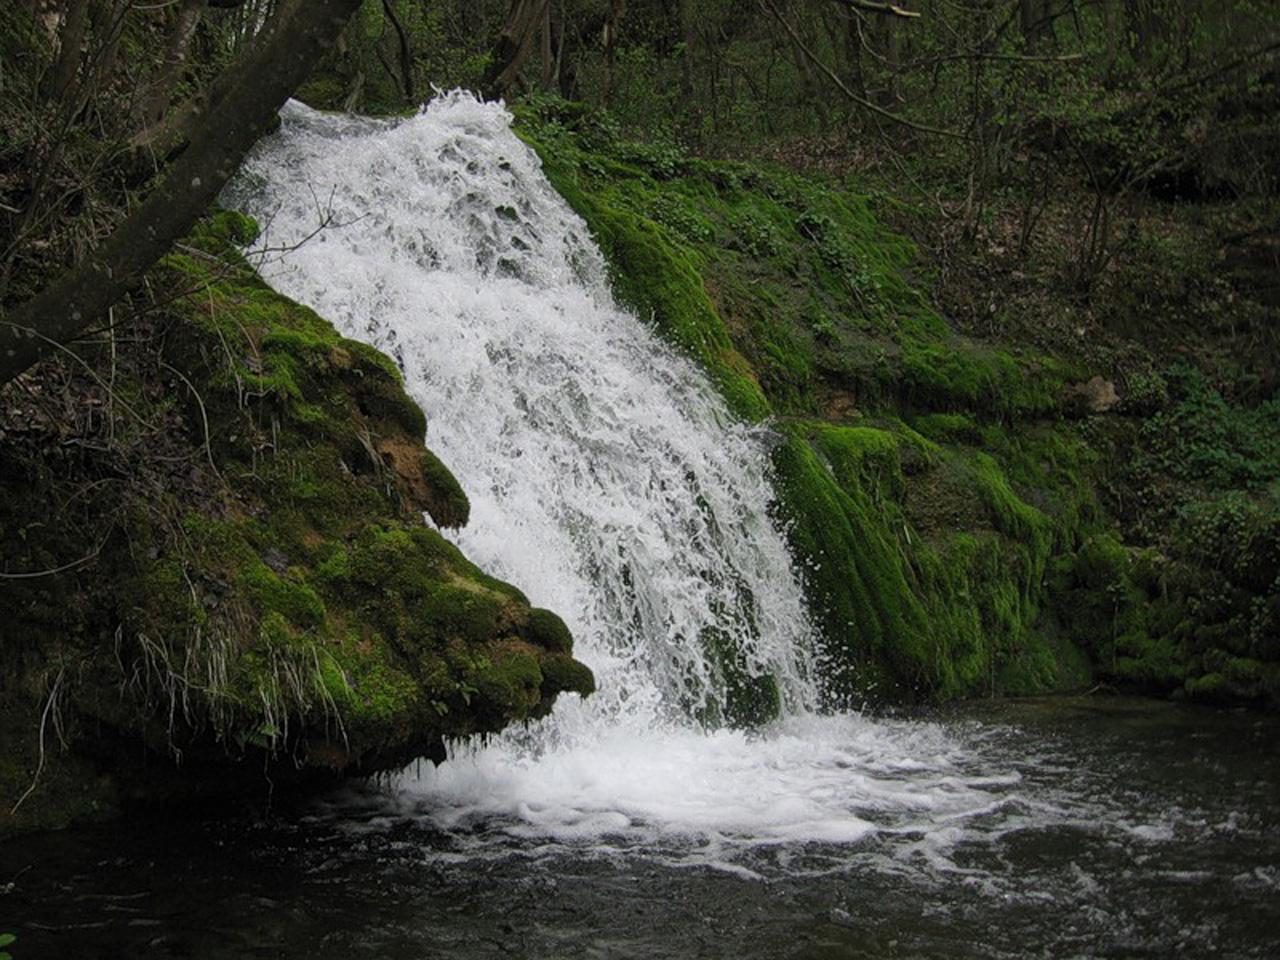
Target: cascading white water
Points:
(606, 480)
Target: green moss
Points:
(156, 598)
(547, 630)
(465, 611)
(658, 277)
(1150, 663)
(231, 227)
(1103, 596)
(509, 684)
(447, 503)
(295, 601)
(909, 604)
(863, 457)
(744, 697)
(1011, 515)
(952, 428)
(1210, 687)
(379, 695)
(856, 579)
(803, 283)
(1101, 562)
(562, 674)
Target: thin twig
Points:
(204, 417)
(32, 332)
(36, 574)
(44, 719)
(769, 6)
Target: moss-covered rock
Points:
(927, 584)
(264, 591)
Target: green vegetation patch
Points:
(774, 280)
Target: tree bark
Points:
(890, 42)
(514, 45)
(547, 52)
(406, 52)
(1111, 28)
(617, 9)
(291, 44)
(152, 107)
(71, 39)
(1141, 24)
(1037, 18)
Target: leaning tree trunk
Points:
(291, 44)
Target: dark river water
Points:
(1118, 828)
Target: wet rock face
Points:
(266, 593)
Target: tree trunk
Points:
(1036, 18)
(406, 52)
(71, 39)
(813, 91)
(153, 106)
(287, 50)
(1111, 27)
(616, 10)
(886, 28)
(688, 65)
(514, 45)
(107, 23)
(853, 46)
(546, 52)
(1142, 25)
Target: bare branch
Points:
(869, 6)
(770, 7)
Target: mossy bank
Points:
(216, 575)
(947, 495)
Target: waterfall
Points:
(607, 481)
(606, 478)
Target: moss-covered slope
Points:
(246, 582)
(929, 480)
(974, 516)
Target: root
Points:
(50, 709)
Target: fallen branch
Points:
(37, 574)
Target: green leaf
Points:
(6, 939)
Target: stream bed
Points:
(1101, 827)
